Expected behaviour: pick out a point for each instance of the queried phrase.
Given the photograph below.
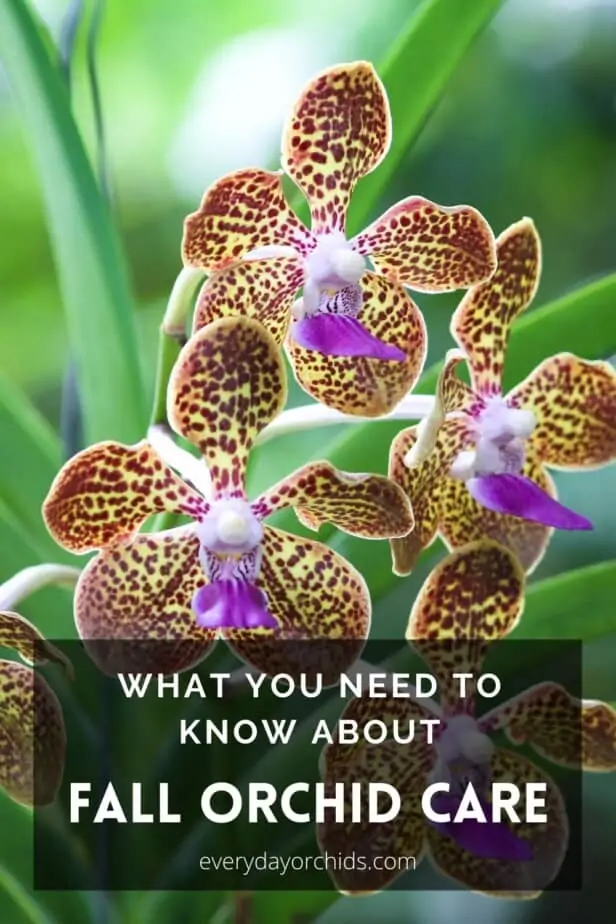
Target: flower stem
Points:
(412, 407)
(29, 580)
(183, 462)
(172, 336)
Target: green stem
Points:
(172, 337)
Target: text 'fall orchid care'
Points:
(358, 341)
(226, 573)
(482, 472)
(471, 599)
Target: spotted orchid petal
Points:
(518, 496)
(140, 593)
(405, 767)
(574, 403)
(340, 335)
(105, 493)
(473, 597)
(429, 247)
(568, 731)
(239, 213)
(259, 289)
(19, 634)
(371, 506)
(228, 383)
(32, 732)
(321, 605)
(338, 131)
(462, 519)
(360, 385)
(482, 321)
(422, 484)
(547, 841)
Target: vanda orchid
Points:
(358, 341)
(471, 599)
(225, 573)
(482, 472)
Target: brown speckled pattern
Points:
(422, 484)
(239, 213)
(359, 385)
(548, 840)
(473, 597)
(260, 289)
(430, 247)
(105, 493)
(580, 735)
(574, 402)
(142, 590)
(32, 734)
(482, 320)
(228, 383)
(370, 506)
(316, 596)
(338, 131)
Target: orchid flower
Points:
(358, 341)
(472, 598)
(32, 733)
(224, 574)
(477, 468)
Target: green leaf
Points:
(91, 270)
(580, 604)
(29, 461)
(415, 73)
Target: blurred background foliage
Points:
(192, 89)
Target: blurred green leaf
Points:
(29, 460)
(577, 605)
(415, 73)
(92, 274)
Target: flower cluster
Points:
(472, 472)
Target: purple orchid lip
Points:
(341, 335)
(490, 840)
(520, 497)
(232, 604)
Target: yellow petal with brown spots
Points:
(566, 730)
(422, 485)
(228, 383)
(463, 520)
(574, 402)
(404, 766)
(338, 131)
(473, 597)
(429, 247)
(16, 632)
(371, 506)
(259, 289)
(32, 736)
(322, 605)
(138, 595)
(105, 493)
(548, 840)
(482, 320)
(357, 384)
(241, 212)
